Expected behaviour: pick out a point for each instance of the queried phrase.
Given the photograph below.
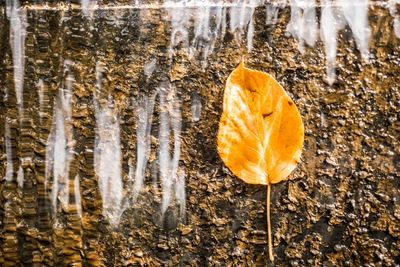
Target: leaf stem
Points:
(271, 255)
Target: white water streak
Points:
(179, 31)
(149, 68)
(9, 162)
(180, 192)
(77, 194)
(61, 164)
(144, 120)
(271, 12)
(241, 19)
(303, 22)
(208, 22)
(250, 34)
(151, 6)
(57, 155)
(40, 86)
(356, 14)
(333, 19)
(202, 34)
(196, 107)
(107, 154)
(60, 144)
(18, 24)
(20, 177)
(170, 119)
(88, 6)
(329, 31)
(396, 16)
(209, 26)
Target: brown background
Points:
(341, 206)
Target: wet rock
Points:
(339, 208)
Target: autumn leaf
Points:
(261, 133)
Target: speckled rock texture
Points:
(341, 206)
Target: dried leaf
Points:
(261, 133)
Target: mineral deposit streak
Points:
(18, 24)
(107, 153)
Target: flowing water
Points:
(110, 113)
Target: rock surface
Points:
(341, 206)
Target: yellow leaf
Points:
(261, 132)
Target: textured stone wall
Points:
(341, 206)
